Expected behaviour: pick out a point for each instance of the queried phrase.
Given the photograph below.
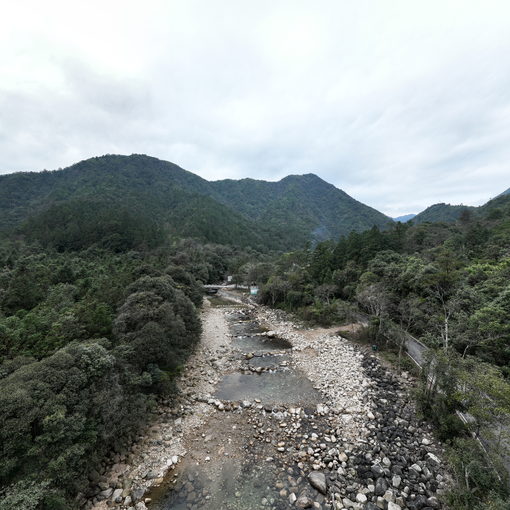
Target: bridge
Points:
(214, 288)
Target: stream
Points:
(232, 464)
(274, 415)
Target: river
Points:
(275, 415)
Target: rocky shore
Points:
(359, 446)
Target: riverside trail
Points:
(275, 415)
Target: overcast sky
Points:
(402, 104)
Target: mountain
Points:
(405, 218)
(303, 206)
(118, 197)
(445, 213)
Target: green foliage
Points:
(326, 314)
(442, 212)
(480, 482)
(88, 338)
(448, 285)
(157, 324)
(78, 224)
(121, 202)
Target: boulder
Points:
(318, 481)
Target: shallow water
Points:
(246, 328)
(228, 484)
(259, 344)
(268, 361)
(280, 387)
(235, 489)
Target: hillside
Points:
(447, 213)
(441, 213)
(305, 205)
(277, 215)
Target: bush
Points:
(324, 314)
(480, 482)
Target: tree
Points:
(375, 300)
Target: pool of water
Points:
(269, 360)
(246, 328)
(260, 344)
(225, 483)
(231, 488)
(220, 301)
(281, 387)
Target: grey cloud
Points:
(399, 106)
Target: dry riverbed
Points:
(273, 415)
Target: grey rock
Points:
(106, 493)
(318, 481)
(304, 502)
(433, 459)
(137, 494)
(361, 498)
(381, 486)
(117, 495)
(433, 502)
(377, 470)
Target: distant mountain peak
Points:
(404, 218)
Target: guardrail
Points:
(417, 351)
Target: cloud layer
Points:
(401, 104)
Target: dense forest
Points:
(262, 215)
(445, 283)
(98, 313)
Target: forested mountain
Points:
(448, 213)
(441, 212)
(303, 205)
(149, 195)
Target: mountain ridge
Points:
(286, 213)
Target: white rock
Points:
(432, 458)
(343, 457)
(361, 498)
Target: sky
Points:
(402, 104)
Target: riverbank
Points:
(359, 437)
(163, 444)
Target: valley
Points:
(275, 415)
